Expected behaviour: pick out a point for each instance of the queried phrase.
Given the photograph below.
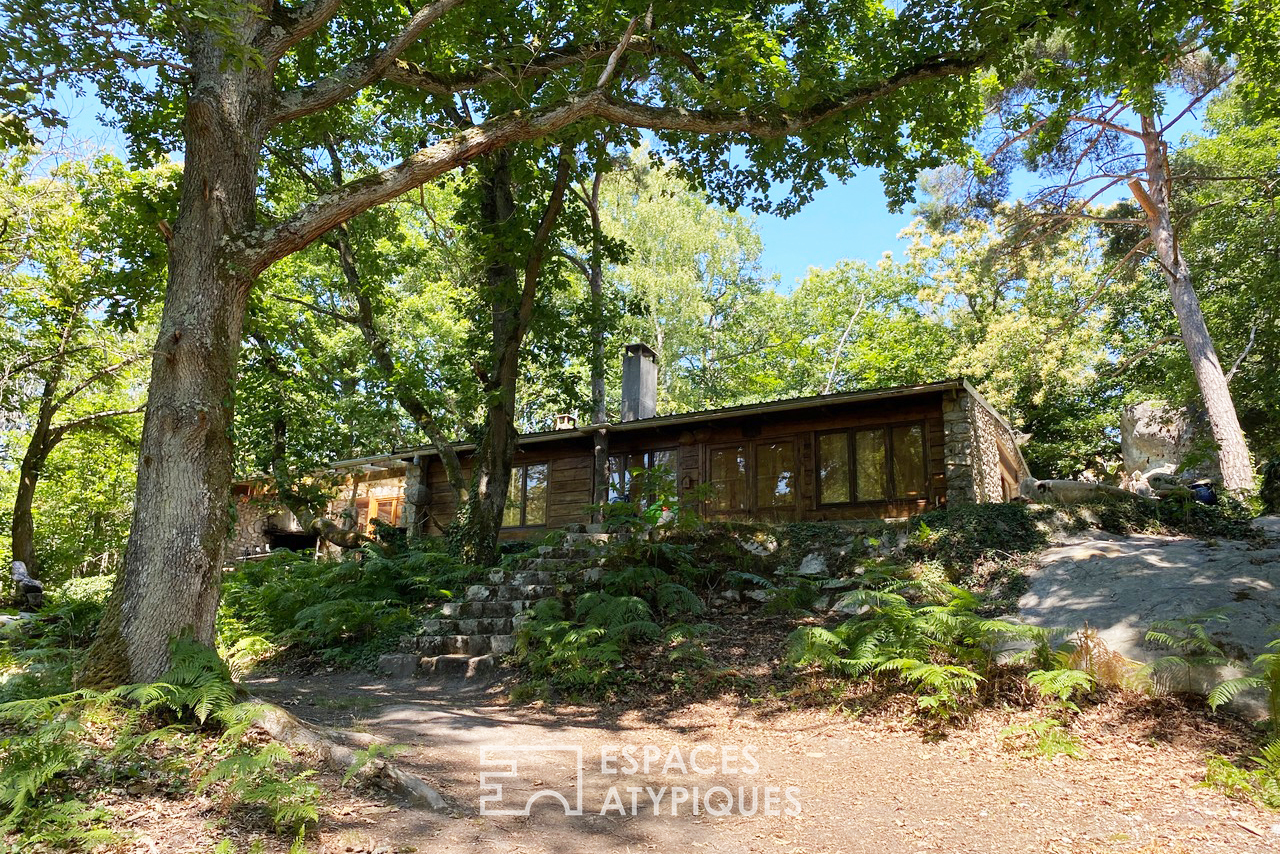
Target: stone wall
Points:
(417, 500)
(249, 537)
(973, 439)
(988, 432)
(957, 449)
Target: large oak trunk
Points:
(170, 582)
(1233, 453)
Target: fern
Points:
(1260, 782)
(1264, 674)
(1051, 738)
(925, 634)
(257, 777)
(371, 754)
(1062, 684)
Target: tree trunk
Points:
(481, 517)
(169, 585)
(1233, 452)
(599, 411)
(511, 311)
(23, 530)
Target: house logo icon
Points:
(513, 764)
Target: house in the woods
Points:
(875, 454)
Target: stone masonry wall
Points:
(987, 431)
(251, 519)
(957, 449)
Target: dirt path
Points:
(861, 786)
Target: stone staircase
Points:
(468, 638)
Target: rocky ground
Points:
(1121, 585)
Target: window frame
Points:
(891, 486)
(750, 452)
(646, 457)
(523, 470)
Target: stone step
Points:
(444, 666)
(476, 610)
(467, 626)
(549, 564)
(458, 666)
(472, 645)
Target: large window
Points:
(752, 477)
(657, 468)
(876, 464)
(526, 497)
(775, 475)
(728, 479)
(389, 510)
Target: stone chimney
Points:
(639, 383)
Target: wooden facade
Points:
(879, 454)
(927, 439)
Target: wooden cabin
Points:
(874, 454)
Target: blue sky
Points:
(849, 220)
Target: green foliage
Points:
(928, 637)
(962, 536)
(1191, 643)
(1264, 673)
(256, 777)
(1048, 738)
(1062, 684)
(1193, 646)
(1260, 782)
(58, 749)
(347, 611)
(1269, 494)
(372, 754)
(39, 656)
(644, 601)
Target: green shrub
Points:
(59, 749)
(1047, 738)
(347, 611)
(961, 536)
(39, 656)
(644, 600)
(929, 638)
(1260, 783)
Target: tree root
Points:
(337, 748)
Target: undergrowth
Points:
(40, 655)
(345, 611)
(642, 610)
(185, 733)
(923, 635)
(1193, 647)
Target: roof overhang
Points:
(797, 404)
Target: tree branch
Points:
(413, 75)
(291, 24)
(100, 375)
(1128, 363)
(266, 246)
(607, 74)
(62, 429)
(357, 74)
(319, 309)
(1253, 331)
